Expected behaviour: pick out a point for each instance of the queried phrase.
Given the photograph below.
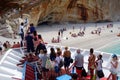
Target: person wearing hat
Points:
(113, 67)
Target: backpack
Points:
(61, 63)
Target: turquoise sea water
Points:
(114, 48)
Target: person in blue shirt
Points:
(32, 28)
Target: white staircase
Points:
(8, 68)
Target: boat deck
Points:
(10, 71)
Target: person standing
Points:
(57, 62)
(44, 58)
(29, 42)
(21, 33)
(52, 54)
(32, 28)
(91, 63)
(79, 60)
(114, 67)
(99, 70)
(67, 58)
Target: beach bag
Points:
(100, 73)
(61, 63)
(48, 64)
(71, 60)
(84, 73)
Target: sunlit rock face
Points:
(39, 11)
(79, 10)
(70, 10)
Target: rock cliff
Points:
(50, 11)
(79, 10)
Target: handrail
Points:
(24, 71)
(25, 68)
(3, 58)
(36, 77)
(70, 68)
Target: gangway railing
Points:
(29, 72)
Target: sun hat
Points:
(114, 55)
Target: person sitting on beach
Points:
(55, 40)
(94, 32)
(73, 35)
(118, 35)
(81, 33)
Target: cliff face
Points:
(79, 10)
(39, 11)
(69, 10)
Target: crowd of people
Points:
(56, 55)
(37, 51)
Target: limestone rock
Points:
(75, 11)
(39, 11)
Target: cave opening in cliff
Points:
(83, 12)
(48, 23)
(44, 23)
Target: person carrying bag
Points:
(99, 71)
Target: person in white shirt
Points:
(21, 33)
(57, 62)
(114, 67)
(41, 54)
